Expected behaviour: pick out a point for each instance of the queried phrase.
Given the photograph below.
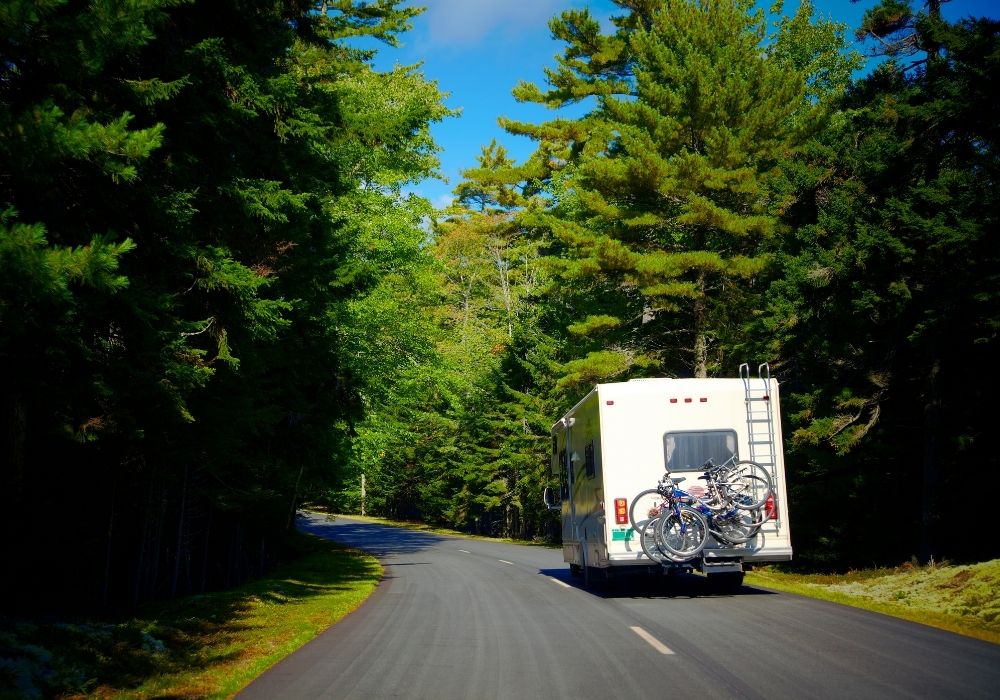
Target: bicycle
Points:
(745, 484)
(672, 528)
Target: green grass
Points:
(963, 599)
(206, 646)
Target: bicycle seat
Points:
(679, 479)
(704, 476)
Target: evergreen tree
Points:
(887, 312)
(194, 193)
(661, 194)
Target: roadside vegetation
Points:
(964, 599)
(202, 646)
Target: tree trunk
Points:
(295, 498)
(700, 331)
(930, 472)
(106, 587)
(16, 420)
(179, 551)
(140, 563)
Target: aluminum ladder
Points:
(760, 420)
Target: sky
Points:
(478, 50)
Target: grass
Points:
(206, 646)
(964, 599)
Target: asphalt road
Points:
(458, 619)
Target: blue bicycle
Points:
(669, 528)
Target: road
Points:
(461, 619)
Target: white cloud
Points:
(443, 201)
(463, 22)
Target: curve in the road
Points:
(460, 619)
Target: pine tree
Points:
(662, 200)
(194, 194)
(887, 310)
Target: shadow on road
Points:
(676, 585)
(383, 541)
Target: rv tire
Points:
(726, 581)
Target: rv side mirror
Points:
(549, 498)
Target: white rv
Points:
(621, 439)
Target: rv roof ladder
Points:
(760, 417)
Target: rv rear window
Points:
(689, 450)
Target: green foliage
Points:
(663, 191)
(886, 311)
(197, 195)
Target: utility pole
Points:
(362, 493)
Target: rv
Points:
(621, 438)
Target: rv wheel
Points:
(576, 570)
(726, 581)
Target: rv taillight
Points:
(621, 511)
(771, 507)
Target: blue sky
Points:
(478, 50)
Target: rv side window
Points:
(563, 477)
(689, 450)
(588, 459)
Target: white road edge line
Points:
(465, 551)
(652, 641)
(561, 583)
(504, 561)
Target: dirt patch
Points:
(958, 580)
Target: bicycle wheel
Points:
(645, 507)
(736, 526)
(654, 549)
(682, 534)
(647, 540)
(746, 485)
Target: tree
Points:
(194, 193)
(662, 194)
(887, 311)
(892, 28)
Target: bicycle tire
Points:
(644, 507)
(737, 526)
(682, 534)
(647, 540)
(652, 548)
(746, 485)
